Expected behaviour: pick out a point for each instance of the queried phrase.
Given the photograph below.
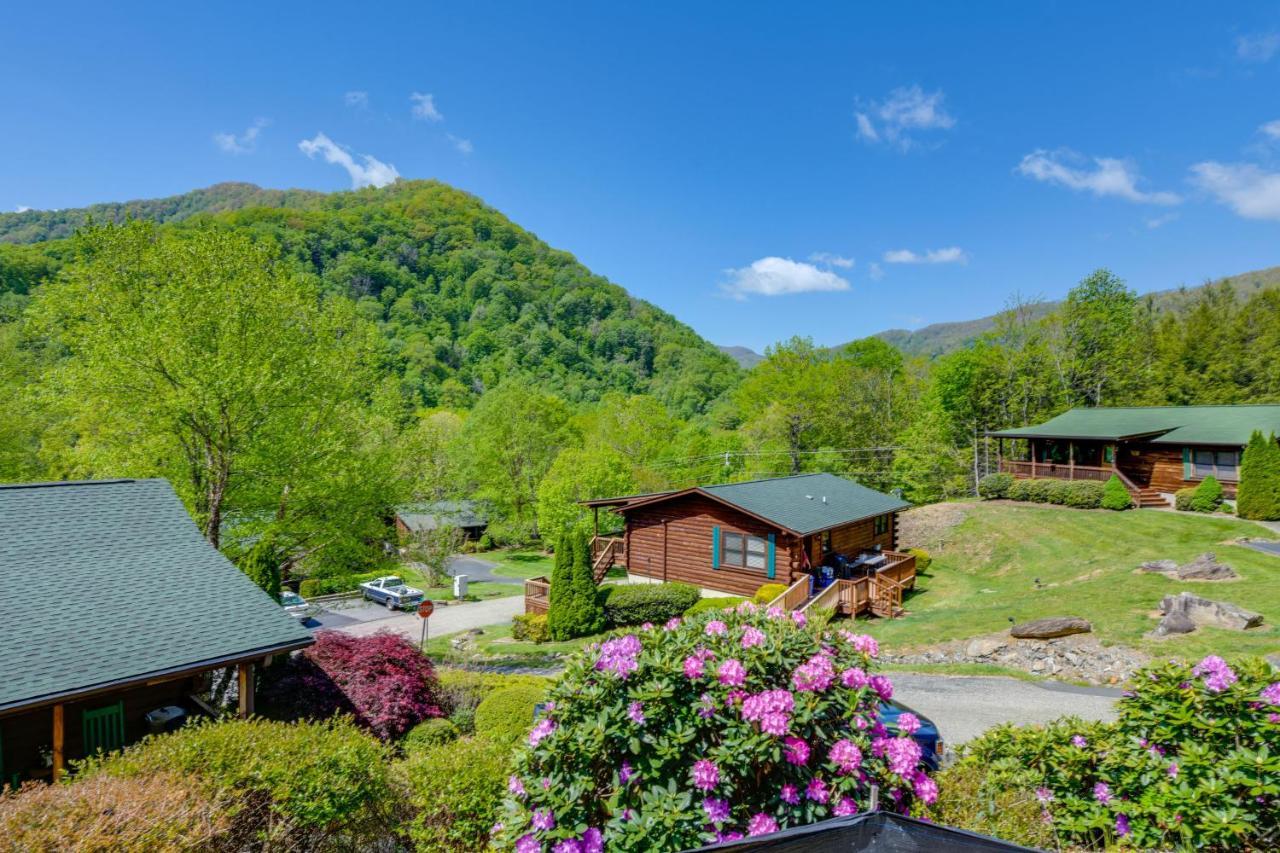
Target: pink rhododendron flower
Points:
(845, 755)
(772, 709)
(775, 612)
(528, 844)
(1217, 675)
(747, 607)
(706, 705)
(817, 790)
(715, 628)
(672, 624)
(926, 789)
(814, 675)
(1079, 741)
(730, 835)
(1122, 825)
(732, 673)
(1173, 770)
(908, 723)
(717, 810)
(636, 712)
(515, 786)
(796, 751)
(567, 845)
(544, 727)
(752, 636)
(799, 618)
(882, 686)
(693, 667)
(546, 784)
(543, 819)
(619, 655)
(903, 754)
(853, 678)
(845, 807)
(592, 841)
(1271, 694)
(1044, 795)
(788, 793)
(761, 824)
(1102, 793)
(705, 774)
(861, 643)
(646, 626)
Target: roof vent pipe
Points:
(808, 497)
(824, 498)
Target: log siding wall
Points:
(1160, 466)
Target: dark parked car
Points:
(927, 735)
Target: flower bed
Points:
(727, 724)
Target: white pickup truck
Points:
(392, 592)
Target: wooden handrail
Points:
(829, 597)
(794, 595)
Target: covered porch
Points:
(1058, 458)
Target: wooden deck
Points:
(878, 594)
(537, 595)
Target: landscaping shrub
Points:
(331, 585)
(429, 734)
(301, 786)
(574, 609)
(486, 542)
(995, 486)
(531, 627)
(161, 812)
(1082, 494)
(923, 559)
(1115, 496)
(769, 592)
(635, 604)
(714, 603)
(967, 800)
(728, 723)
(464, 720)
(589, 617)
(462, 690)
(560, 595)
(507, 714)
(382, 680)
(456, 793)
(1190, 762)
(262, 565)
(1020, 490)
(1258, 495)
(1207, 496)
(1182, 499)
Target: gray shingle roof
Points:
(110, 581)
(807, 503)
(429, 516)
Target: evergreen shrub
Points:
(714, 603)
(636, 604)
(1258, 495)
(995, 486)
(1183, 497)
(456, 792)
(768, 592)
(1115, 496)
(1207, 496)
(531, 627)
(507, 714)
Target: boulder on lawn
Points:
(1053, 626)
(1176, 622)
(1164, 567)
(1206, 568)
(1204, 611)
(982, 647)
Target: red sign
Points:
(426, 608)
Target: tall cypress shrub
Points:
(1258, 496)
(589, 615)
(560, 604)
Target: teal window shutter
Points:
(715, 547)
(772, 557)
(1186, 463)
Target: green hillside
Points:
(464, 297)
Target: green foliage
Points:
(486, 542)
(463, 690)
(262, 565)
(929, 466)
(429, 734)
(1115, 496)
(1258, 496)
(1182, 499)
(560, 595)
(1080, 494)
(768, 592)
(714, 604)
(507, 713)
(650, 704)
(574, 609)
(1208, 495)
(580, 474)
(636, 604)
(531, 627)
(1190, 762)
(456, 792)
(1083, 494)
(589, 617)
(923, 559)
(995, 486)
(304, 782)
(331, 585)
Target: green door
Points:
(104, 728)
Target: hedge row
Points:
(1081, 494)
(635, 604)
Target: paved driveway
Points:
(477, 570)
(965, 707)
(363, 618)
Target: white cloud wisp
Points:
(1107, 177)
(369, 172)
(774, 276)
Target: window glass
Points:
(1203, 463)
(1227, 461)
(755, 552)
(733, 549)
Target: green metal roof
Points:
(110, 581)
(1177, 425)
(429, 516)
(807, 503)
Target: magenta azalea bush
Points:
(381, 680)
(1193, 760)
(731, 723)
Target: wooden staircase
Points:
(607, 551)
(886, 598)
(1148, 497)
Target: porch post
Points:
(1071, 460)
(244, 674)
(595, 523)
(1115, 456)
(59, 742)
(1000, 453)
(1033, 458)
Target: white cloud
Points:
(463, 146)
(372, 172)
(424, 107)
(779, 277)
(1107, 177)
(875, 271)
(1163, 219)
(1271, 129)
(22, 208)
(907, 109)
(245, 142)
(949, 255)
(356, 99)
(830, 259)
(1247, 189)
(1259, 47)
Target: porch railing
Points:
(794, 597)
(537, 595)
(1056, 470)
(607, 552)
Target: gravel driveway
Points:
(963, 707)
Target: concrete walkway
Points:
(445, 620)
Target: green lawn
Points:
(527, 563)
(413, 577)
(497, 647)
(1084, 561)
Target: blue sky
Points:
(758, 171)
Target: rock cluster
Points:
(1203, 568)
(1185, 612)
(1072, 658)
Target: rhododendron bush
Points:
(731, 723)
(1193, 760)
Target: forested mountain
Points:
(746, 357)
(463, 296)
(939, 338)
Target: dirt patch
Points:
(930, 526)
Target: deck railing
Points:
(794, 597)
(1055, 470)
(607, 552)
(537, 595)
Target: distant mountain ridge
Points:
(940, 338)
(746, 357)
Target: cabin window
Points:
(746, 552)
(881, 525)
(1222, 464)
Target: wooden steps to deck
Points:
(1148, 497)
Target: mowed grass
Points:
(521, 563)
(1085, 562)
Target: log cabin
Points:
(810, 533)
(113, 606)
(1154, 450)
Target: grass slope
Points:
(1085, 561)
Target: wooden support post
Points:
(1033, 458)
(59, 741)
(595, 523)
(1000, 453)
(244, 673)
(1071, 460)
